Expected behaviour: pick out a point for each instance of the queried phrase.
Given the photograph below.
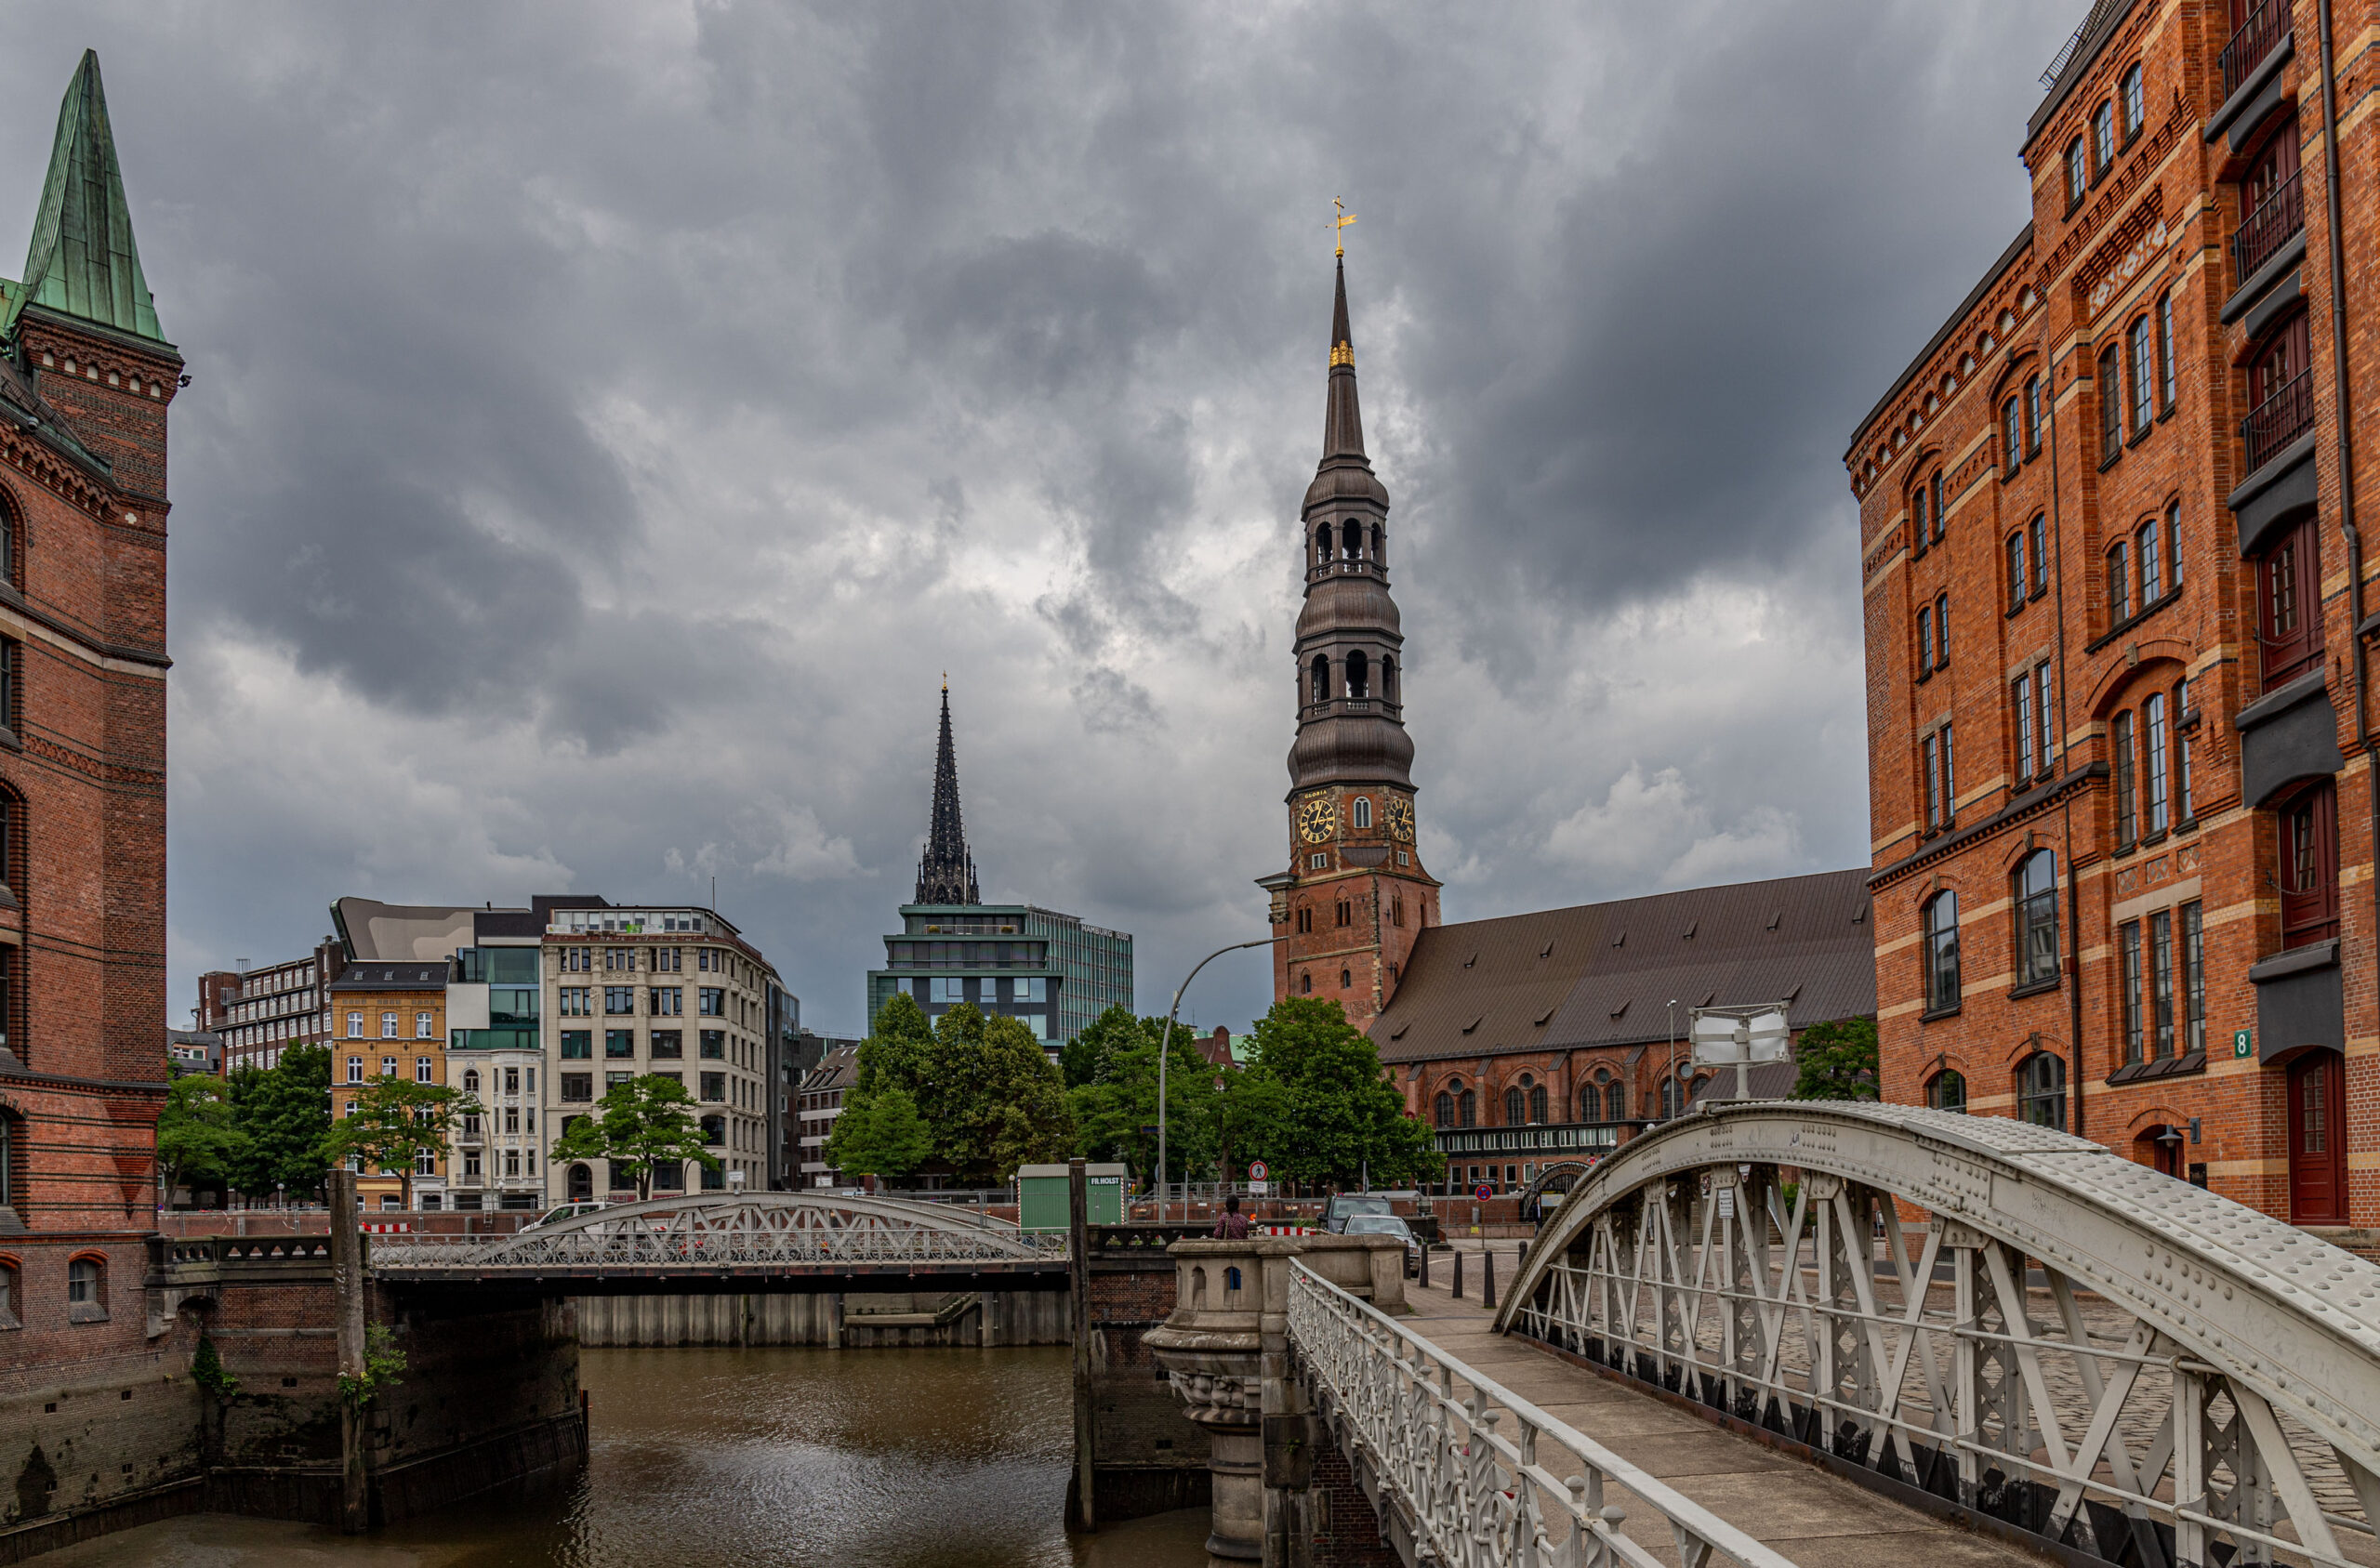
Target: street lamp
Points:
(1165, 1048)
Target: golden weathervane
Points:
(1339, 221)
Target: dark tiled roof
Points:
(838, 1071)
(1602, 974)
(379, 976)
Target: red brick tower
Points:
(85, 376)
(1354, 897)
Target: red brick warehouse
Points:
(2117, 623)
(85, 377)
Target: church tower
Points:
(1356, 897)
(946, 871)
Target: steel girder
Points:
(2063, 1340)
(757, 1229)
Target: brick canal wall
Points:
(835, 1319)
(1145, 1456)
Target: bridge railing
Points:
(1483, 1477)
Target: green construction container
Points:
(1041, 1196)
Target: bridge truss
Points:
(758, 1233)
(2013, 1320)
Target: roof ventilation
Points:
(1618, 938)
(1774, 916)
(1620, 1009)
(1543, 1018)
(1795, 992)
(1474, 1023)
(1546, 951)
(1859, 916)
(1473, 959)
(1709, 997)
(1398, 1032)
(1691, 926)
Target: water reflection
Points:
(780, 1457)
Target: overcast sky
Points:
(608, 423)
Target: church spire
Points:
(83, 261)
(946, 872)
(1342, 421)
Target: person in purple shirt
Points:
(1231, 1225)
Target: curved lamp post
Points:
(1165, 1048)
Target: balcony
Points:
(2254, 43)
(2278, 420)
(2278, 218)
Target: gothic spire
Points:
(83, 261)
(946, 872)
(1342, 421)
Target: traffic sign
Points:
(1483, 1192)
(1257, 1171)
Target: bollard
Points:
(1457, 1273)
(1425, 1265)
(1487, 1267)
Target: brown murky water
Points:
(781, 1458)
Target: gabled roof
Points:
(1603, 974)
(392, 977)
(83, 261)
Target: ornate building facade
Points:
(1355, 896)
(2118, 621)
(85, 377)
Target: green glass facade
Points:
(1051, 971)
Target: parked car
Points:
(1388, 1225)
(561, 1212)
(1344, 1206)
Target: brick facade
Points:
(2201, 751)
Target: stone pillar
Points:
(1079, 1278)
(346, 1293)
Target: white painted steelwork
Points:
(1478, 1476)
(718, 1230)
(2177, 1380)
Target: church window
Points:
(1515, 1107)
(1388, 681)
(1306, 918)
(1614, 1101)
(1537, 1107)
(1351, 539)
(1468, 1109)
(1396, 910)
(1359, 675)
(1446, 1109)
(1361, 813)
(1346, 913)
(1322, 546)
(1306, 982)
(1346, 979)
(1321, 679)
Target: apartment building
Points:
(260, 1012)
(817, 1101)
(2117, 624)
(390, 1022)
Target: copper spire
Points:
(946, 872)
(1342, 421)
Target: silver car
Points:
(1388, 1225)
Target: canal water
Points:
(776, 1457)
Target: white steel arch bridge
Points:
(1977, 1313)
(775, 1240)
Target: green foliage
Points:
(879, 1133)
(1838, 1061)
(382, 1361)
(983, 1086)
(1119, 1101)
(395, 1121)
(647, 1119)
(1084, 1058)
(1315, 1106)
(206, 1371)
(198, 1132)
(283, 1116)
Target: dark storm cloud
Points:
(611, 420)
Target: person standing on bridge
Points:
(1231, 1225)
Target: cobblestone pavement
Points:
(2109, 1325)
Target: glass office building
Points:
(1052, 972)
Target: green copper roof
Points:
(83, 261)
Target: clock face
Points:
(1317, 818)
(1399, 812)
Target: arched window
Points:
(1469, 1108)
(471, 1080)
(1946, 1090)
(2036, 896)
(1614, 1101)
(1380, 544)
(87, 1289)
(1321, 679)
(1346, 980)
(2109, 385)
(2040, 1090)
(1515, 1107)
(2143, 372)
(10, 535)
(1306, 983)
(1388, 681)
(1360, 813)
(11, 1296)
(1351, 539)
(1446, 1109)
(1942, 952)
(1537, 1105)
(1668, 1098)
(1322, 546)
(1359, 675)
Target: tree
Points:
(879, 1133)
(1084, 1058)
(283, 1114)
(1838, 1061)
(1331, 1115)
(1112, 1109)
(198, 1132)
(636, 1125)
(395, 1123)
(996, 1101)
